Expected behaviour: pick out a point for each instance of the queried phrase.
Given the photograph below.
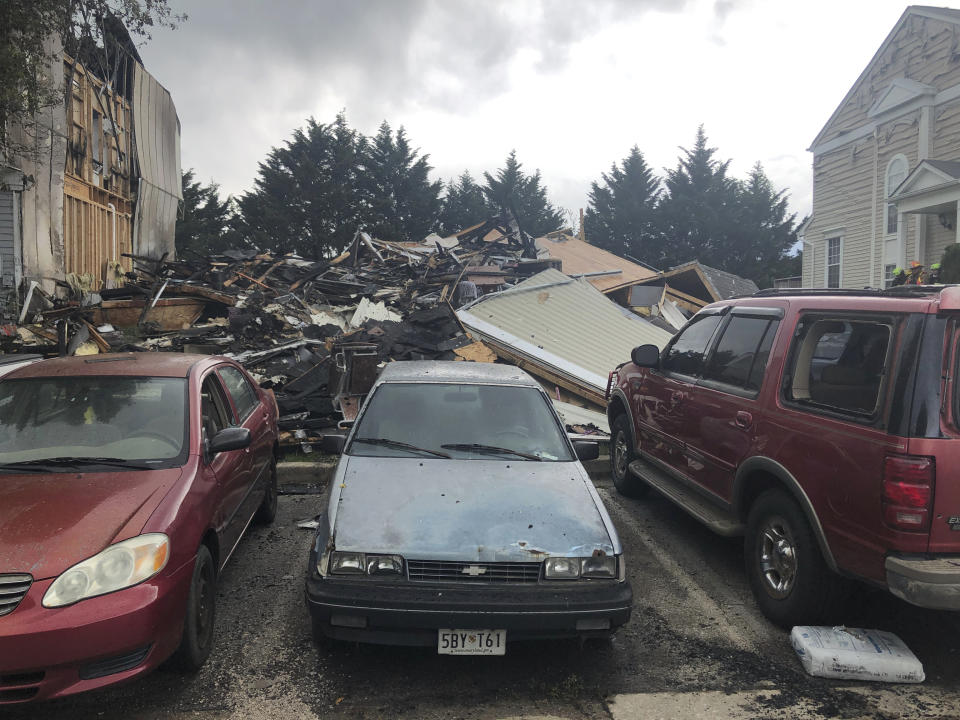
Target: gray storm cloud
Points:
(381, 53)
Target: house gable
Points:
(907, 69)
(901, 94)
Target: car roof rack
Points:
(896, 291)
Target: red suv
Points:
(824, 426)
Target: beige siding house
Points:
(886, 166)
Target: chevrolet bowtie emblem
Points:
(474, 570)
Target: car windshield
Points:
(115, 421)
(475, 422)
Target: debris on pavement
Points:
(855, 654)
(315, 332)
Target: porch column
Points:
(901, 241)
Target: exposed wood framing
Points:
(98, 205)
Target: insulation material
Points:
(157, 140)
(855, 654)
(367, 310)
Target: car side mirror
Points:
(333, 444)
(232, 438)
(586, 449)
(646, 356)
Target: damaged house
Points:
(102, 182)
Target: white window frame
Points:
(888, 189)
(888, 274)
(826, 260)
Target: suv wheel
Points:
(621, 455)
(789, 578)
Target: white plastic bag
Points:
(855, 654)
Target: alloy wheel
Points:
(778, 558)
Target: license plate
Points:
(471, 642)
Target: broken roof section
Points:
(693, 285)
(561, 329)
(582, 258)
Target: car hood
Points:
(484, 510)
(49, 522)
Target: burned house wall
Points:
(98, 203)
(41, 174)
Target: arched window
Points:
(897, 170)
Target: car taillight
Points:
(907, 491)
(606, 393)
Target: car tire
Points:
(622, 453)
(198, 624)
(268, 507)
(788, 575)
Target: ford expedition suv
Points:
(823, 426)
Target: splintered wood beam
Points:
(253, 279)
(270, 269)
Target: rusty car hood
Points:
(485, 510)
(49, 522)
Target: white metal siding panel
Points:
(572, 323)
(157, 137)
(6, 239)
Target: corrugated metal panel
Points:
(569, 326)
(6, 240)
(157, 139)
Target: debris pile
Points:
(313, 331)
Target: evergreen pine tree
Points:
(698, 214)
(306, 196)
(463, 205)
(621, 215)
(401, 202)
(524, 195)
(766, 230)
(204, 227)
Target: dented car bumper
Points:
(405, 613)
(924, 581)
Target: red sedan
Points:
(126, 482)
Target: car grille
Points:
(473, 572)
(12, 590)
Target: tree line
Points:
(327, 181)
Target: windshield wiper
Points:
(69, 461)
(386, 442)
(490, 449)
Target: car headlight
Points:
(567, 568)
(355, 563)
(561, 568)
(120, 566)
(598, 566)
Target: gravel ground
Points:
(696, 645)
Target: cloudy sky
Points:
(570, 84)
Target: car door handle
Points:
(744, 419)
(676, 397)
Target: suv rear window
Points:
(840, 363)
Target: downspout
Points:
(872, 280)
(116, 243)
